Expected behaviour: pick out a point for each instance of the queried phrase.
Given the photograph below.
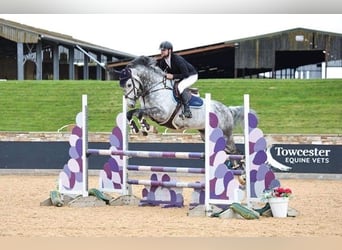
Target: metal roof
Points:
(18, 32)
(235, 43)
(278, 33)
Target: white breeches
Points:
(187, 82)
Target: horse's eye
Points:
(129, 85)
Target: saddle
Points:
(192, 94)
(194, 99)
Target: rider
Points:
(177, 68)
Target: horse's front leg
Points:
(145, 127)
(153, 113)
(140, 114)
(131, 122)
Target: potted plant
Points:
(278, 198)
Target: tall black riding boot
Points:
(186, 108)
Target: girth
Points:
(169, 122)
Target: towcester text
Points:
(308, 158)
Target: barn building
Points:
(30, 53)
(295, 53)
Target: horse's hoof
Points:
(144, 133)
(242, 179)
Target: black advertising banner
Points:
(307, 158)
(294, 158)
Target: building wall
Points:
(260, 52)
(8, 68)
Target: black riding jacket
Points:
(180, 68)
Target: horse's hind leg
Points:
(202, 134)
(230, 146)
(232, 149)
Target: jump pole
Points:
(126, 189)
(207, 156)
(85, 145)
(247, 141)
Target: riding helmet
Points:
(166, 45)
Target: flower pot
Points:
(279, 206)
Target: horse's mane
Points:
(146, 61)
(143, 60)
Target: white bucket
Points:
(279, 206)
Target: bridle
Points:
(139, 91)
(136, 90)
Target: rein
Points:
(143, 92)
(151, 89)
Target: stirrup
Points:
(186, 114)
(183, 116)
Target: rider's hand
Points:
(169, 76)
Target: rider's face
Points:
(164, 53)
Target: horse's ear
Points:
(125, 74)
(153, 61)
(145, 60)
(115, 73)
(112, 70)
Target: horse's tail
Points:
(238, 115)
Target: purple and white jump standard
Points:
(217, 187)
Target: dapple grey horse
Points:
(145, 82)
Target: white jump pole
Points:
(125, 188)
(84, 145)
(207, 156)
(246, 140)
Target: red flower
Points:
(282, 192)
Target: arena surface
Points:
(318, 201)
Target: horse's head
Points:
(138, 77)
(131, 84)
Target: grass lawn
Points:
(283, 106)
